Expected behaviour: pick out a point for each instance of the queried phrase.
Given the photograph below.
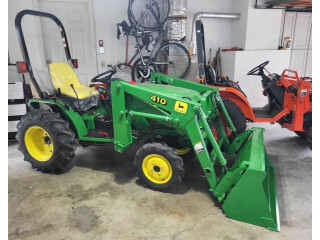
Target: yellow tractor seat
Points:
(62, 75)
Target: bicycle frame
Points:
(139, 46)
(138, 51)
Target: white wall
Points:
(32, 33)
(239, 28)
(263, 28)
(109, 13)
(106, 15)
(217, 31)
(258, 33)
(258, 29)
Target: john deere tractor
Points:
(169, 109)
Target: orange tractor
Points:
(289, 96)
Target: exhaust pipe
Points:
(199, 15)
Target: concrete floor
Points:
(101, 198)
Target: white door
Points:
(302, 31)
(77, 19)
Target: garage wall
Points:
(258, 33)
(217, 31)
(109, 13)
(239, 28)
(237, 64)
(32, 33)
(263, 28)
(257, 29)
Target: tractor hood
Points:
(176, 92)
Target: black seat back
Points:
(276, 93)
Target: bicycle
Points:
(170, 58)
(148, 14)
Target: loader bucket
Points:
(253, 198)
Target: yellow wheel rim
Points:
(39, 143)
(157, 168)
(183, 151)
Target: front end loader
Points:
(149, 114)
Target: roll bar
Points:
(23, 46)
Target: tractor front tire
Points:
(46, 141)
(159, 166)
(237, 117)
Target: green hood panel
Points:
(176, 92)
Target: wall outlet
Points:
(103, 64)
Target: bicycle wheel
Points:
(149, 14)
(173, 59)
(141, 72)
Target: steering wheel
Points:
(258, 68)
(104, 77)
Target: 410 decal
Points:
(156, 99)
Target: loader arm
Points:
(162, 104)
(159, 78)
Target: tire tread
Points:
(65, 142)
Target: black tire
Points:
(303, 135)
(186, 153)
(181, 54)
(150, 20)
(236, 115)
(309, 137)
(141, 73)
(172, 158)
(58, 133)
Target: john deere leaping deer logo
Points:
(181, 107)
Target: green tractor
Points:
(167, 116)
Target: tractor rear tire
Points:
(185, 152)
(236, 115)
(159, 166)
(46, 141)
(309, 137)
(303, 135)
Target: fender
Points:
(239, 98)
(67, 112)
